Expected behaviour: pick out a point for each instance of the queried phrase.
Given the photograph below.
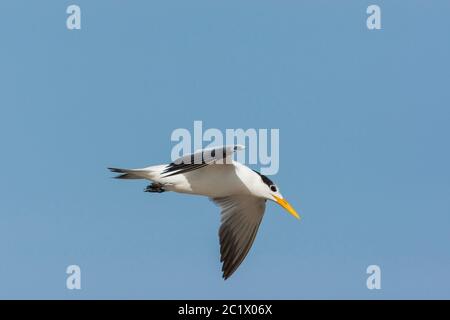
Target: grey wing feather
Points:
(200, 159)
(240, 220)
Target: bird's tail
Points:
(150, 173)
(129, 173)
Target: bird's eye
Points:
(273, 188)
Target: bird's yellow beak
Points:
(287, 206)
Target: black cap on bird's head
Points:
(276, 196)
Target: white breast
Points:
(217, 180)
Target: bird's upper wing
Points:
(200, 159)
(240, 219)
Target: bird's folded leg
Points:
(154, 187)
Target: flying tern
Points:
(239, 191)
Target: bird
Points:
(239, 191)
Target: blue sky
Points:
(364, 130)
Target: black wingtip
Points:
(227, 273)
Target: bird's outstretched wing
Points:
(200, 159)
(240, 219)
